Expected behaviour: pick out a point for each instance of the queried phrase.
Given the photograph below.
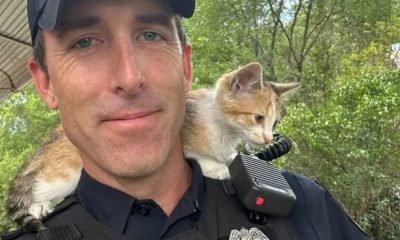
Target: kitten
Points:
(240, 107)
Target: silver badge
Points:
(244, 234)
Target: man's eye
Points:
(85, 43)
(151, 36)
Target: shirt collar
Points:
(112, 207)
(197, 187)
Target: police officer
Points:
(118, 72)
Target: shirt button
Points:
(144, 210)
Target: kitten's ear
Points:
(247, 78)
(284, 88)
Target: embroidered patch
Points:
(244, 234)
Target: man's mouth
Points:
(129, 121)
(130, 116)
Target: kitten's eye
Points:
(259, 118)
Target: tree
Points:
(352, 144)
(280, 34)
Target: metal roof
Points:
(15, 47)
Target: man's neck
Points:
(172, 186)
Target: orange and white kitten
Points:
(241, 107)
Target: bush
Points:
(351, 143)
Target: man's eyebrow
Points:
(159, 19)
(76, 23)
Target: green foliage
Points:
(351, 143)
(225, 48)
(24, 122)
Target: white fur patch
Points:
(45, 193)
(210, 167)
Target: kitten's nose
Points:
(268, 138)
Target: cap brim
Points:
(48, 19)
(183, 7)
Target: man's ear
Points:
(187, 67)
(42, 83)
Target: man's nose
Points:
(128, 77)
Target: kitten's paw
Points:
(223, 174)
(220, 172)
(40, 210)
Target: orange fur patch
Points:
(60, 155)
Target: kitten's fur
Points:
(240, 107)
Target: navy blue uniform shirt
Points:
(141, 219)
(316, 215)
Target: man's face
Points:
(117, 74)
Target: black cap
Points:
(44, 13)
